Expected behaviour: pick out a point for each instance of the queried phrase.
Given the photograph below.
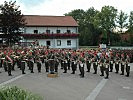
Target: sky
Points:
(60, 7)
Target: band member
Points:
(117, 64)
(46, 64)
(65, 65)
(73, 66)
(111, 64)
(23, 65)
(38, 61)
(31, 65)
(62, 63)
(81, 63)
(95, 64)
(127, 66)
(122, 65)
(69, 63)
(10, 62)
(88, 64)
(107, 67)
(5, 65)
(56, 64)
(101, 64)
(51, 63)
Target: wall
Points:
(54, 43)
(52, 29)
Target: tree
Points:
(122, 21)
(105, 20)
(130, 26)
(11, 21)
(88, 33)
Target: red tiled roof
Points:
(36, 20)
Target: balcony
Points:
(51, 36)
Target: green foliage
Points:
(11, 20)
(130, 26)
(122, 21)
(15, 93)
(88, 33)
(98, 26)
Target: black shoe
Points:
(23, 73)
(101, 75)
(72, 73)
(127, 75)
(10, 75)
(110, 71)
(64, 72)
(116, 72)
(81, 76)
(106, 78)
(32, 72)
(121, 74)
(52, 73)
(94, 73)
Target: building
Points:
(52, 31)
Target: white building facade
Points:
(52, 31)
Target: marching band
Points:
(105, 60)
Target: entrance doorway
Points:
(48, 43)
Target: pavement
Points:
(71, 87)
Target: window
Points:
(47, 31)
(68, 31)
(58, 42)
(36, 31)
(68, 42)
(58, 31)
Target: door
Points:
(48, 43)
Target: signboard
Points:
(103, 46)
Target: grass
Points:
(15, 93)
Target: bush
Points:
(15, 93)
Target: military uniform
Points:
(95, 64)
(68, 63)
(81, 64)
(56, 64)
(88, 64)
(122, 65)
(38, 65)
(5, 65)
(46, 64)
(65, 65)
(23, 66)
(111, 64)
(73, 66)
(107, 68)
(9, 68)
(101, 64)
(31, 65)
(51, 64)
(127, 66)
(117, 64)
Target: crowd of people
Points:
(67, 59)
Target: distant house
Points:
(52, 31)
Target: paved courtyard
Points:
(71, 87)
